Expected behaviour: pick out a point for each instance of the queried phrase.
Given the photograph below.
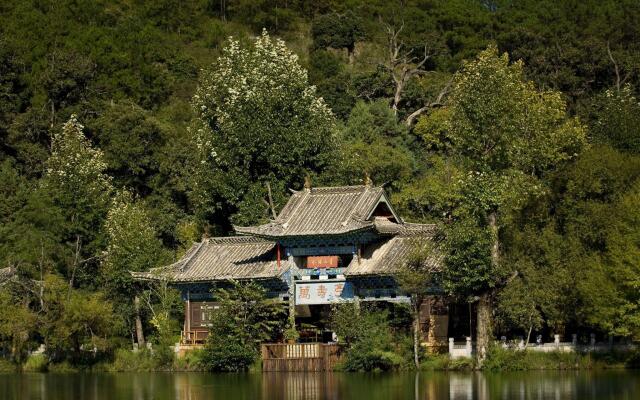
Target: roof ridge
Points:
(236, 239)
(342, 188)
(193, 254)
(353, 209)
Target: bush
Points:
(461, 364)
(372, 344)
(634, 360)
(192, 360)
(442, 362)
(132, 361)
(499, 359)
(360, 359)
(163, 356)
(63, 367)
(227, 357)
(36, 363)
(7, 366)
(435, 362)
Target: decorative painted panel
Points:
(323, 292)
(322, 262)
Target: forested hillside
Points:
(130, 129)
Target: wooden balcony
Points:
(300, 357)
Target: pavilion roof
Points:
(325, 211)
(221, 258)
(388, 257)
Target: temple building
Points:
(327, 245)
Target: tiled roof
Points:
(238, 257)
(322, 211)
(386, 227)
(385, 258)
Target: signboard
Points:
(323, 292)
(322, 262)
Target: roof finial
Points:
(367, 179)
(205, 233)
(307, 182)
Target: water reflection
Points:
(299, 386)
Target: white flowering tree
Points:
(132, 245)
(76, 179)
(259, 121)
(75, 168)
(617, 119)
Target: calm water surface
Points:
(601, 385)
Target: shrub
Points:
(36, 363)
(461, 364)
(435, 362)
(7, 366)
(499, 359)
(132, 361)
(230, 356)
(163, 356)
(359, 359)
(63, 367)
(192, 360)
(372, 345)
(634, 360)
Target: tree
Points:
(373, 143)
(132, 245)
(337, 31)
(616, 119)
(79, 186)
(258, 121)
(506, 134)
(18, 325)
(77, 326)
(164, 303)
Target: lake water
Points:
(601, 385)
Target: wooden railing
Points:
(194, 337)
(300, 357)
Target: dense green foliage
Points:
(374, 342)
(102, 98)
(245, 318)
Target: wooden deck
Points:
(300, 357)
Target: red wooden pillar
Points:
(278, 255)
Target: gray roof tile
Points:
(322, 211)
(237, 257)
(387, 257)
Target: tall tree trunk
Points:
(416, 331)
(528, 336)
(485, 313)
(139, 331)
(484, 327)
(495, 248)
